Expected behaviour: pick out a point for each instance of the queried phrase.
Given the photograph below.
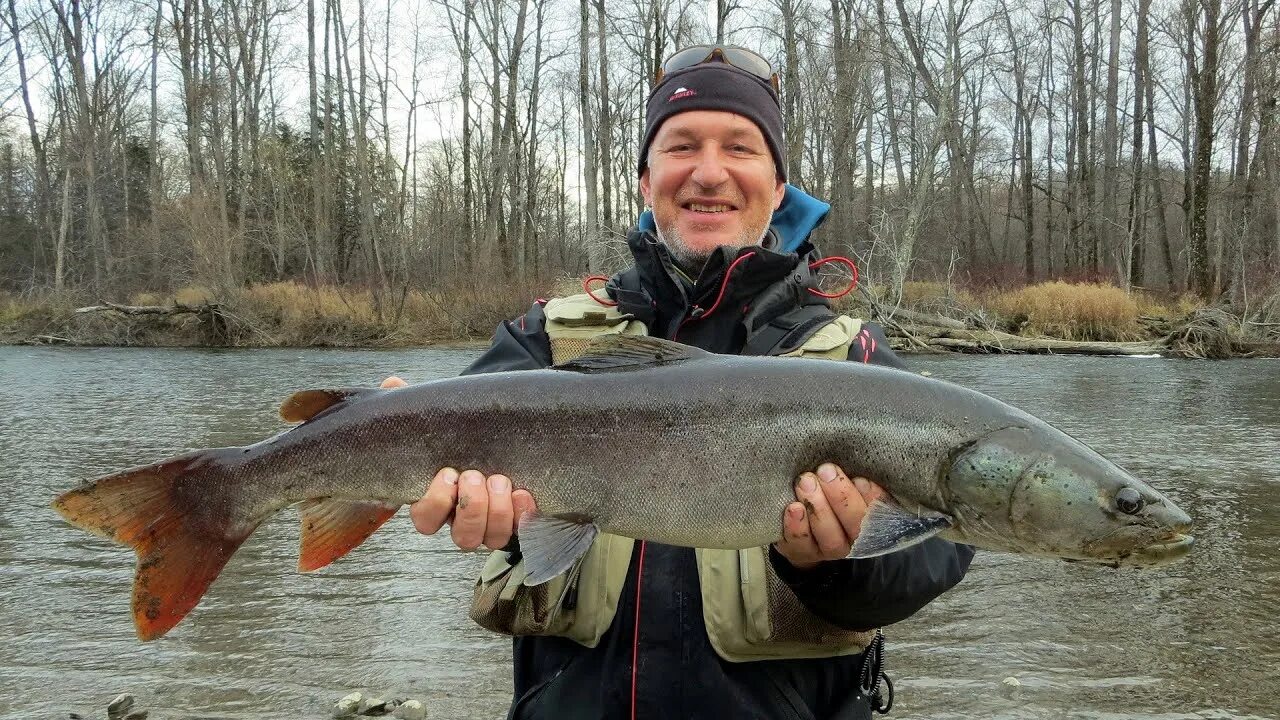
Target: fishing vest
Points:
(749, 612)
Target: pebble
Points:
(374, 707)
(348, 705)
(120, 707)
(410, 710)
(1011, 682)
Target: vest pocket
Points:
(578, 605)
(752, 614)
(503, 603)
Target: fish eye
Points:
(1129, 501)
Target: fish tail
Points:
(152, 510)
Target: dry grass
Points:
(1084, 311)
(299, 315)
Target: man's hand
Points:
(825, 521)
(480, 510)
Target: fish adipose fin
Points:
(179, 552)
(306, 404)
(551, 545)
(888, 526)
(621, 353)
(333, 527)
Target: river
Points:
(1198, 639)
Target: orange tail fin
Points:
(152, 510)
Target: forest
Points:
(476, 152)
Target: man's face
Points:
(710, 181)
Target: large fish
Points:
(639, 437)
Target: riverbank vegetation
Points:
(929, 316)
(412, 170)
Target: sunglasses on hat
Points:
(739, 57)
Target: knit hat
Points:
(716, 86)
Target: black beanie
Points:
(716, 86)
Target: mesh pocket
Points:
(791, 622)
(502, 602)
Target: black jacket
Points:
(764, 308)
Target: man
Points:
(722, 261)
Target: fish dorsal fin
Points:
(888, 527)
(620, 353)
(306, 404)
(333, 527)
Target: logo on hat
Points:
(681, 93)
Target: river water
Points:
(1199, 639)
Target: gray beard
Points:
(692, 261)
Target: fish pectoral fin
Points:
(306, 404)
(551, 545)
(888, 526)
(621, 353)
(333, 527)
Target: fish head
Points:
(1038, 491)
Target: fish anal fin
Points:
(333, 527)
(551, 545)
(306, 404)
(621, 353)
(180, 552)
(888, 527)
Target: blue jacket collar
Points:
(798, 216)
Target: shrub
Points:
(1084, 311)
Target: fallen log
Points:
(915, 318)
(213, 319)
(994, 341)
(174, 309)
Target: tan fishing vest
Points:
(749, 612)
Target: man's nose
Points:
(709, 169)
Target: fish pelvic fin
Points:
(622, 353)
(333, 527)
(180, 552)
(307, 404)
(551, 545)
(888, 527)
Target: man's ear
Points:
(644, 187)
(779, 193)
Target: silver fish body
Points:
(657, 441)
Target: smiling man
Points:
(641, 630)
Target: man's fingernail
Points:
(796, 512)
(862, 485)
(807, 483)
(475, 478)
(498, 484)
(450, 476)
(827, 472)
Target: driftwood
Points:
(916, 318)
(213, 319)
(994, 341)
(174, 309)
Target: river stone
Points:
(119, 707)
(348, 705)
(411, 710)
(140, 715)
(1012, 682)
(374, 707)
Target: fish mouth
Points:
(1163, 551)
